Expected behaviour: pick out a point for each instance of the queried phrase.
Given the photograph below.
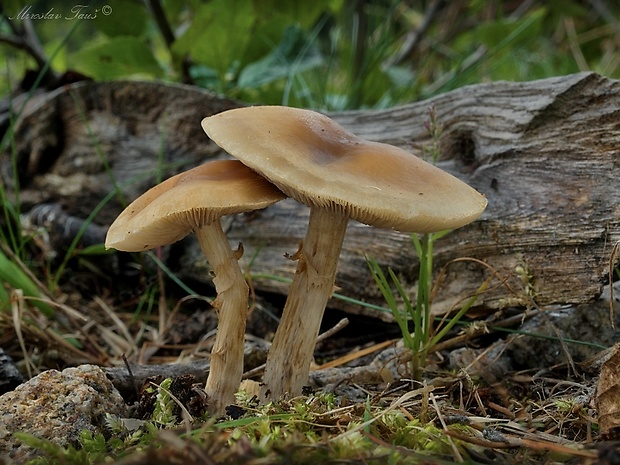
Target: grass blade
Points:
(17, 279)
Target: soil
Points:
(155, 324)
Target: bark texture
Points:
(547, 156)
(545, 153)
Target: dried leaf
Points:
(608, 396)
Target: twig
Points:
(162, 22)
(413, 38)
(457, 454)
(479, 331)
(167, 33)
(131, 377)
(606, 14)
(25, 38)
(357, 354)
(510, 442)
(122, 327)
(330, 332)
(17, 299)
(393, 406)
(582, 63)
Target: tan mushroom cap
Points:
(317, 162)
(171, 210)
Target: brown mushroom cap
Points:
(171, 210)
(317, 162)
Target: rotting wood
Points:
(545, 153)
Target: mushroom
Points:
(340, 176)
(195, 200)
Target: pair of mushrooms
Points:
(307, 156)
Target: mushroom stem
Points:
(232, 307)
(288, 363)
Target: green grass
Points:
(12, 237)
(334, 55)
(424, 336)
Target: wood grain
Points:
(545, 153)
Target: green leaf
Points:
(17, 279)
(95, 249)
(124, 19)
(115, 58)
(511, 33)
(204, 76)
(504, 35)
(303, 13)
(219, 34)
(292, 55)
(93, 444)
(4, 297)
(384, 287)
(11, 8)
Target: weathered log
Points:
(77, 144)
(547, 156)
(545, 153)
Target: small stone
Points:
(590, 323)
(10, 377)
(57, 406)
(488, 362)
